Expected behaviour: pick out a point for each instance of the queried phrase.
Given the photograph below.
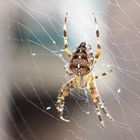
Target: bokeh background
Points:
(32, 69)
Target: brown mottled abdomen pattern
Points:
(79, 63)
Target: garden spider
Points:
(80, 68)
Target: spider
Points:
(80, 67)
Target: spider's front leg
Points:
(67, 51)
(98, 103)
(97, 53)
(64, 91)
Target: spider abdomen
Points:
(79, 63)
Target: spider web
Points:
(32, 62)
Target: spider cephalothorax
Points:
(80, 68)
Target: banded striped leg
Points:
(97, 53)
(98, 103)
(66, 67)
(103, 108)
(64, 91)
(67, 51)
(94, 97)
(101, 104)
(104, 73)
(91, 56)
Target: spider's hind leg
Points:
(98, 103)
(64, 91)
(94, 97)
(98, 112)
(103, 108)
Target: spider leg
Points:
(104, 73)
(94, 97)
(103, 108)
(97, 53)
(98, 112)
(67, 51)
(64, 91)
(66, 67)
(98, 103)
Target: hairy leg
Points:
(64, 91)
(98, 103)
(97, 53)
(67, 51)
(104, 73)
(94, 97)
